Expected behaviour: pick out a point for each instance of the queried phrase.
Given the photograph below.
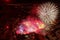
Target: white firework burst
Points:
(48, 13)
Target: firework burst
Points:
(30, 25)
(48, 13)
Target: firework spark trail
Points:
(48, 13)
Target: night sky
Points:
(14, 12)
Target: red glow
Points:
(7, 1)
(30, 25)
(7, 27)
(34, 9)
